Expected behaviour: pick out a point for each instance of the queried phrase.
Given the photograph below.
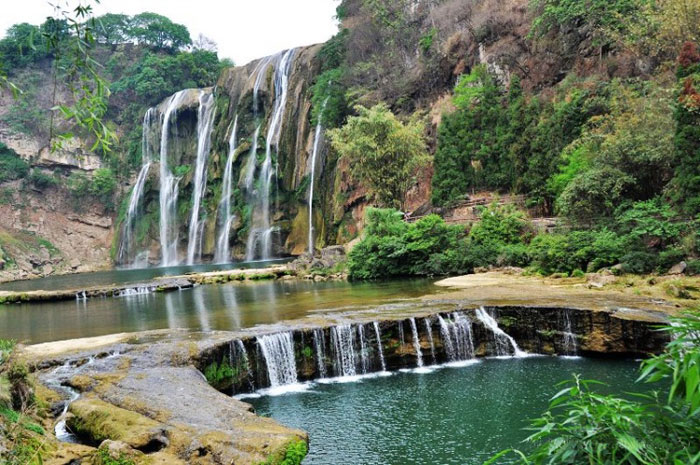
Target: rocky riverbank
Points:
(153, 395)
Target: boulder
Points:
(678, 269)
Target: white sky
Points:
(243, 29)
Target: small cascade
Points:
(447, 339)
(223, 248)
(205, 123)
(278, 351)
(402, 337)
(237, 352)
(320, 346)
(126, 244)
(168, 188)
(260, 235)
(429, 332)
(137, 290)
(416, 343)
(457, 337)
(503, 341)
(364, 349)
(463, 340)
(377, 335)
(343, 341)
(569, 342)
(80, 296)
(314, 155)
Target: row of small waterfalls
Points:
(257, 178)
(346, 351)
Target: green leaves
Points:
(383, 152)
(583, 426)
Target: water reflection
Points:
(216, 307)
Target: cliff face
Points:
(268, 104)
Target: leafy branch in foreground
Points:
(90, 90)
(651, 428)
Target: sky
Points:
(243, 29)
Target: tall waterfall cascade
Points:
(456, 334)
(168, 188)
(225, 216)
(259, 244)
(205, 122)
(312, 170)
(127, 253)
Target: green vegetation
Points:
(383, 153)
(103, 457)
(11, 165)
(293, 454)
(650, 427)
(219, 375)
(644, 239)
(22, 435)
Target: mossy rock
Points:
(97, 421)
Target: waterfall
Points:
(379, 345)
(320, 346)
(416, 343)
(168, 189)
(429, 332)
(314, 155)
(364, 349)
(570, 344)
(503, 341)
(278, 351)
(223, 249)
(463, 340)
(205, 122)
(402, 338)
(237, 352)
(343, 341)
(447, 339)
(260, 234)
(126, 245)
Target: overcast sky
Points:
(243, 29)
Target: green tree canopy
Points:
(160, 32)
(383, 153)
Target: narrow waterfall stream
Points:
(343, 341)
(168, 188)
(503, 340)
(416, 343)
(223, 248)
(569, 340)
(320, 345)
(127, 253)
(314, 156)
(429, 332)
(380, 351)
(205, 121)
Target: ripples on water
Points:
(457, 415)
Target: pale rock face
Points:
(70, 156)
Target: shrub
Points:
(638, 262)
(41, 180)
(693, 267)
(669, 258)
(11, 165)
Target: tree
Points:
(113, 29)
(160, 32)
(383, 153)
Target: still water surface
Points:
(229, 306)
(450, 416)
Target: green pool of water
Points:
(450, 416)
(229, 306)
